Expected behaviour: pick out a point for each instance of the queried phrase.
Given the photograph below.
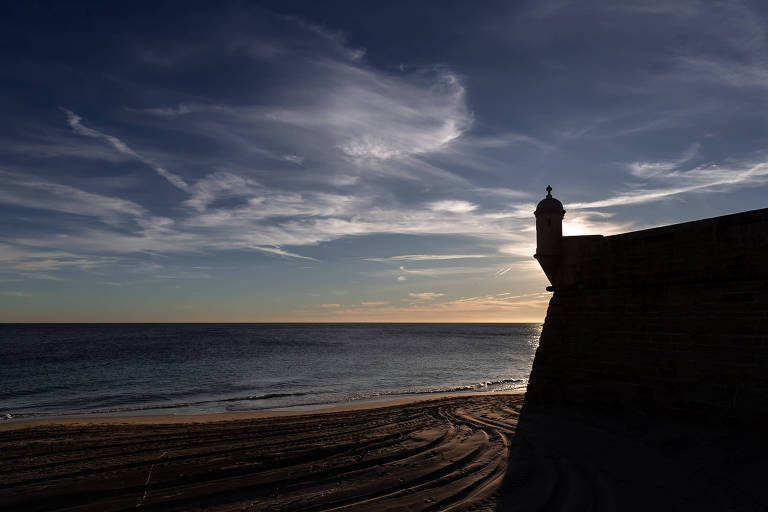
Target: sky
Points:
(355, 161)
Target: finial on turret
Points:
(549, 191)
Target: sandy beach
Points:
(474, 452)
(444, 453)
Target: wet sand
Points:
(445, 453)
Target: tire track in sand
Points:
(441, 454)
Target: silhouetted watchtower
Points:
(549, 234)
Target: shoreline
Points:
(197, 418)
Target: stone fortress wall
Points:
(669, 321)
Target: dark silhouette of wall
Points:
(668, 321)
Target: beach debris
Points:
(143, 498)
(8, 416)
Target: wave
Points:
(489, 385)
(334, 398)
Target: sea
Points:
(58, 370)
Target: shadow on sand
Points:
(564, 460)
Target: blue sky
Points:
(355, 161)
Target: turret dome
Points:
(549, 204)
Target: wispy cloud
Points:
(443, 271)
(709, 178)
(509, 139)
(283, 253)
(425, 295)
(503, 301)
(250, 228)
(31, 192)
(74, 122)
(429, 257)
(379, 117)
(653, 169)
(55, 144)
(335, 37)
(452, 206)
(36, 263)
(263, 219)
(507, 193)
(220, 185)
(356, 118)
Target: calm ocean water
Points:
(56, 370)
